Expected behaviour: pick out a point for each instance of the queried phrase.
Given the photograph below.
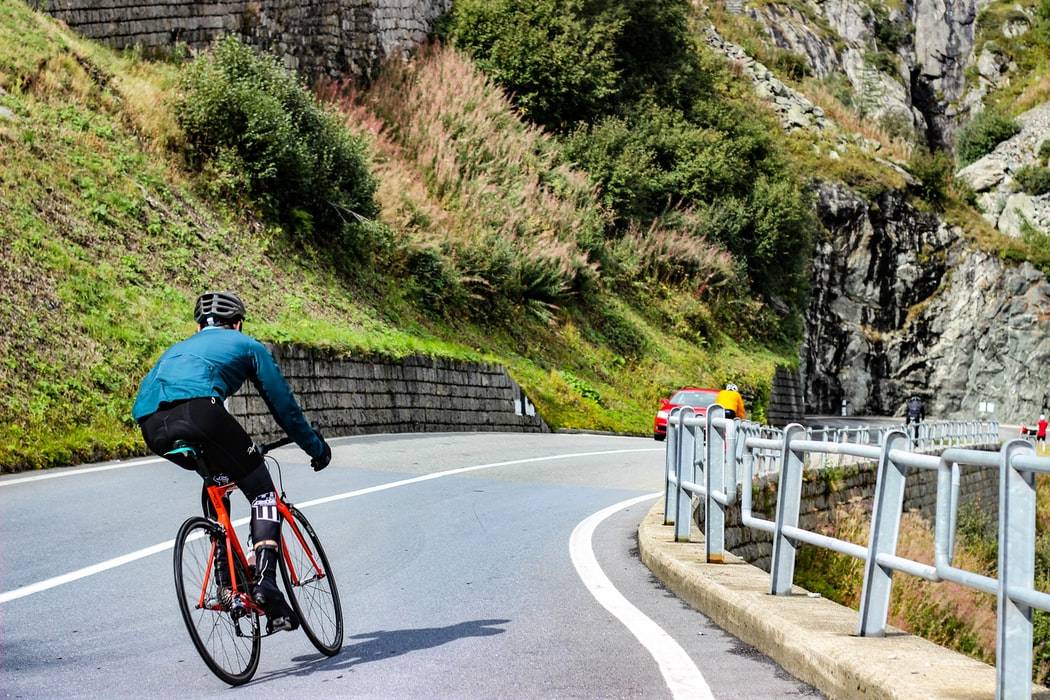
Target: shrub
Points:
(566, 62)
(884, 62)
(1033, 179)
(667, 251)
(657, 157)
(1044, 151)
(933, 171)
(982, 134)
(244, 115)
(790, 63)
(559, 67)
(622, 335)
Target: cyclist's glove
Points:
(319, 463)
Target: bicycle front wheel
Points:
(228, 641)
(310, 585)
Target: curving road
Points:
(453, 557)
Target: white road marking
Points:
(163, 546)
(76, 472)
(682, 676)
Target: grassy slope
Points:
(104, 241)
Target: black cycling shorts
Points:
(205, 423)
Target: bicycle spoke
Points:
(314, 596)
(231, 653)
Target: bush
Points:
(559, 67)
(566, 62)
(933, 172)
(622, 335)
(1044, 151)
(248, 119)
(658, 157)
(1033, 179)
(982, 134)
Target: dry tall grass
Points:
(897, 149)
(496, 174)
(460, 172)
(945, 613)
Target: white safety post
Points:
(1013, 642)
(789, 497)
(714, 481)
(885, 527)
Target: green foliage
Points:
(582, 387)
(249, 122)
(1033, 179)
(933, 171)
(657, 157)
(890, 34)
(566, 62)
(621, 333)
(883, 61)
(559, 66)
(791, 64)
(982, 134)
(1044, 150)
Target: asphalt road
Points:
(460, 586)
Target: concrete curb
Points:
(812, 638)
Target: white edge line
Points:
(680, 673)
(74, 471)
(164, 546)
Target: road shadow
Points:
(383, 644)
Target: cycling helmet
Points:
(218, 309)
(731, 387)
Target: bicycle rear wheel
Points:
(229, 642)
(311, 586)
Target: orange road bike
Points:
(225, 627)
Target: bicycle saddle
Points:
(182, 447)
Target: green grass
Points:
(106, 238)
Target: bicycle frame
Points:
(216, 494)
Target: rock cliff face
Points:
(900, 305)
(905, 64)
(992, 177)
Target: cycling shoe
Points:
(279, 615)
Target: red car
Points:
(697, 397)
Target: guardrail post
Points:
(1013, 641)
(714, 480)
(885, 527)
(671, 464)
(683, 516)
(789, 496)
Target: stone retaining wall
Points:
(786, 403)
(853, 484)
(319, 38)
(352, 396)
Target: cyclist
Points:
(182, 399)
(915, 411)
(731, 400)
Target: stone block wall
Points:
(318, 38)
(786, 399)
(350, 396)
(853, 486)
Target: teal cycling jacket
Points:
(214, 362)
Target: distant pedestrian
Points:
(731, 400)
(1040, 431)
(915, 411)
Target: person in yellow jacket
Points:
(731, 400)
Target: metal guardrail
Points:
(697, 465)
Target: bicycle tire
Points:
(193, 547)
(323, 624)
